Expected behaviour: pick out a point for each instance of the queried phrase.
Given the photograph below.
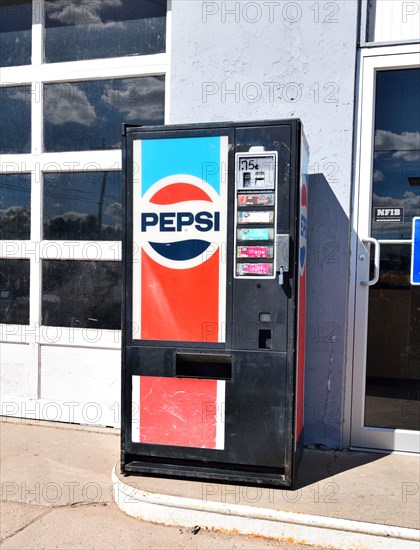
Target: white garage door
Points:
(72, 73)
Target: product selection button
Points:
(254, 252)
(254, 269)
(255, 234)
(260, 199)
(256, 216)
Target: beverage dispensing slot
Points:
(203, 365)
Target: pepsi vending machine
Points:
(214, 300)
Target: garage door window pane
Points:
(15, 32)
(88, 115)
(15, 206)
(14, 292)
(15, 119)
(82, 294)
(86, 29)
(82, 206)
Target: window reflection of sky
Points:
(15, 33)
(88, 115)
(81, 294)
(397, 101)
(397, 149)
(15, 202)
(14, 291)
(82, 205)
(88, 29)
(15, 127)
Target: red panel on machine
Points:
(180, 304)
(178, 411)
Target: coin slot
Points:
(265, 317)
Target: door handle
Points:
(376, 261)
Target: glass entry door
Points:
(386, 389)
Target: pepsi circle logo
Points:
(181, 222)
(303, 228)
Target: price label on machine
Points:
(256, 171)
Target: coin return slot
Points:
(264, 339)
(201, 365)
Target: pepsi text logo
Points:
(181, 225)
(177, 221)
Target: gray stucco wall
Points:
(272, 60)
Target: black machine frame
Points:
(258, 459)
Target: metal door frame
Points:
(356, 434)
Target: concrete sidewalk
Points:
(340, 500)
(57, 492)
